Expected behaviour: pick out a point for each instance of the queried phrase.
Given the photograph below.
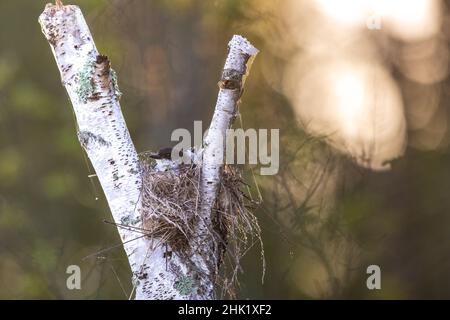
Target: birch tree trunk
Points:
(93, 90)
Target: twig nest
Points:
(170, 204)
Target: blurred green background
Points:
(331, 211)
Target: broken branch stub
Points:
(240, 51)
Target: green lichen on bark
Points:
(85, 88)
(85, 137)
(126, 220)
(184, 285)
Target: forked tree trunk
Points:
(102, 131)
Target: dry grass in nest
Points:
(169, 204)
(170, 201)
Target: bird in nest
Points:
(167, 158)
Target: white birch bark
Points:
(102, 131)
(240, 50)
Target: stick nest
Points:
(170, 204)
